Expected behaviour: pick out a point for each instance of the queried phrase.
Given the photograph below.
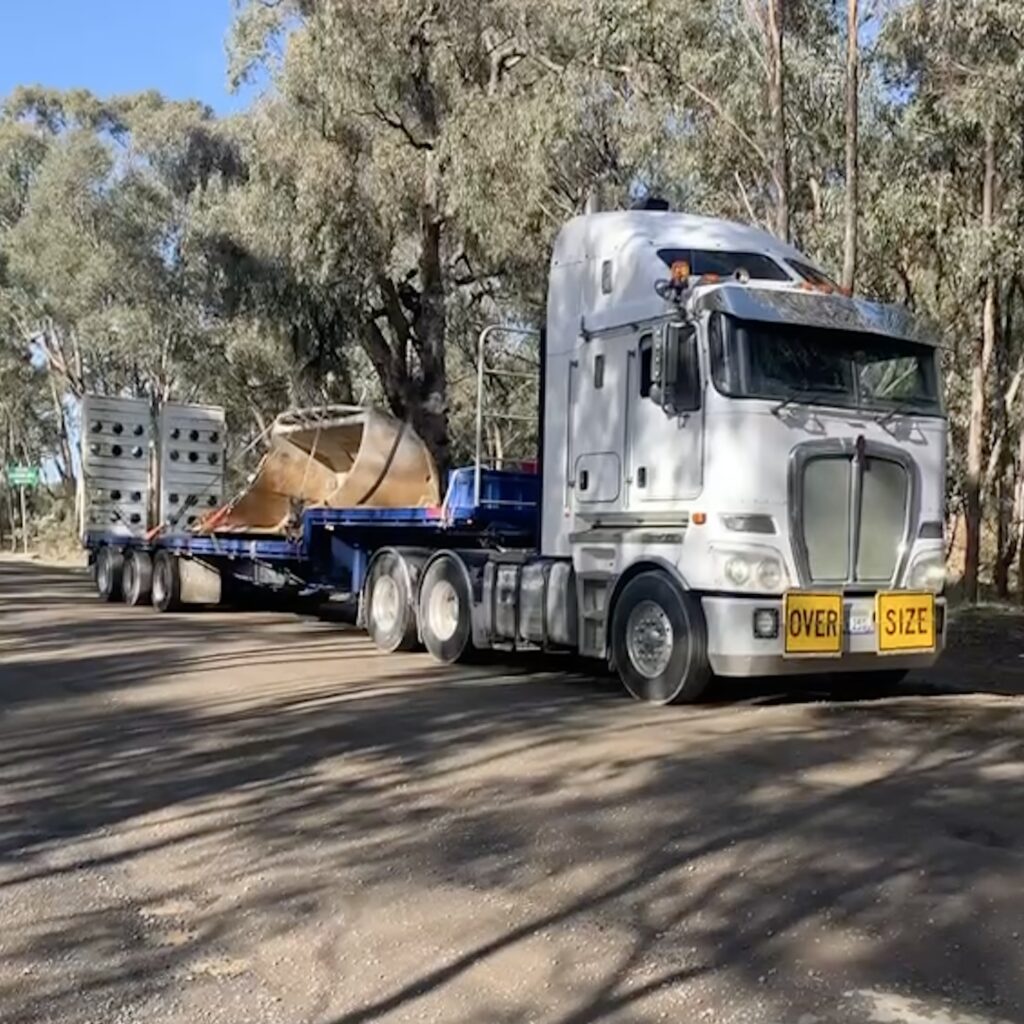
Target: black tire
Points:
(137, 580)
(166, 582)
(390, 614)
(445, 610)
(306, 604)
(109, 574)
(678, 674)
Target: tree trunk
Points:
(65, 464)
(1001, 458)
(1018, 516)
(852, 85)
(12, 518)
(984, 346)
(430, 327)
(777, 105)
(1004, 537)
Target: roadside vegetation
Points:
(399, 183)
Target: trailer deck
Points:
(331, 547)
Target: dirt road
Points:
(255, 818)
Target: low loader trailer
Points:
(740, 472)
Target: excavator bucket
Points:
(340, 457)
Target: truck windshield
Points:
(826, 367)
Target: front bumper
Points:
(733, 650)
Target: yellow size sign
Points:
(905, 621)
(813, 623)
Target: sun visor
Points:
(814, 309)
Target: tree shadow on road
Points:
(622, 858)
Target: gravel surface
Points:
(253, 817)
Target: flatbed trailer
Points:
(329, 553)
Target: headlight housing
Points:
(928, 572)
(757, 569)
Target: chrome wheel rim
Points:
(384, 604)
(443, 610)
(649, 639)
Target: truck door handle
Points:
(584, 479)
(641, 476)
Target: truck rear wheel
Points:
(166, 582)
(109, 573)
(390, 616)
(445, 611)
(137, 580)
(659, 641)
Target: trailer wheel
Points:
(166, 582)
(659, 641)
(390, 616)
(109, 573)
(137, 581)
(445, 611)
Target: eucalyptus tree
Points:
(959, 75)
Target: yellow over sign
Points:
(813, 623)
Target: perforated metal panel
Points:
(116, 439)
(191, 464)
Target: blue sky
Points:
(116, 46)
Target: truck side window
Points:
(646, 349)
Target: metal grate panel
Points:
(116, 452)
(191, 464)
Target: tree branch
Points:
(745, 197)
(732, 123)
(394, 121)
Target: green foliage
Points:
(402, 180)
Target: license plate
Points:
(860, 623)
(814, 623)
(906, 621)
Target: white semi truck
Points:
(741, 473)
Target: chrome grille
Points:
(851, 509)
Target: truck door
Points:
(596, 424)
(664, 447)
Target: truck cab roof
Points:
(600, 236)
(606, 266)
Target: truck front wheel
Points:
(166, 582)
(445, 611)
(659, 641)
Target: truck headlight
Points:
(737, 570)
(928, 572)
(753, 568)
(770, 574)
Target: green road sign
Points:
(23, 476)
